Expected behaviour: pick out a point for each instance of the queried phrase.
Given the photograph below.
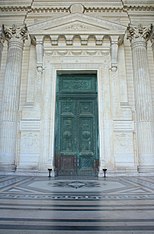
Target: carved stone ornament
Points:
(16, 32)
(77, 8)
(2, 36)
(152, 35)
(139, 32)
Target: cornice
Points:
(67, 9)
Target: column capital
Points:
(152, 36)
(2, 35)
(139, 33)
(15, 32)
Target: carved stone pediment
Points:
(76, 24)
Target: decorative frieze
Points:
(73, 9)
(123, 8)
(83, 39)
(15, 8)
(82, 52)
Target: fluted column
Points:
(1, 42)
(143, 96)
(10, 100)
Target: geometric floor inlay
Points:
(42, 205)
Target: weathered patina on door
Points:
(76, 133)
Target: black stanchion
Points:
(104, 171)
(50, 170)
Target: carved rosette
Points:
(14, 32)
(139, 33)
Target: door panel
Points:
(87, 149)
(76, 132)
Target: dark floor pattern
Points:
(119, 205)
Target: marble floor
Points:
(119, 205)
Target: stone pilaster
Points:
(2, 37)
(10, 99)
(143, 96)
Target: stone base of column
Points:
(146, 169)
(4, 167)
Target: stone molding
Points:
(123, 125)
(81, 26)
(83, 39)
(14, 8)
(67, 9)
(30, 125)
(76, 23)
(138, 8)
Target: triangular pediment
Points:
(76, 24)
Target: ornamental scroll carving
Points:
(2, 36)
(152, 35)
(16, 32)
(140, 32)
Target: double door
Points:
(76, 150)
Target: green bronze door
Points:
(76, 132)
